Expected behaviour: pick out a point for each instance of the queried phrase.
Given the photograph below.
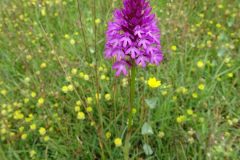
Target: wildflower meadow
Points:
(119, 80)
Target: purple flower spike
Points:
(133, 37)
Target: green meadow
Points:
(60, 99)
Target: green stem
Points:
(132, 96)
(130, 115)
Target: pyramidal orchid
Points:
(133, 38)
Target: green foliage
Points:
(53, 75)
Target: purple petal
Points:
(156, 58)
(120, 67)
(142, 61)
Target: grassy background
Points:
(47, 46)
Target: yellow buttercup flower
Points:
(72, 41)
(33, 127)
(43, 65)
(33, 94)
(201, 87)
(46, 138)
(89, 100)
(4, 92)
(78, 103)
(181, 119)
(118, 142)
(107, 97)
(18, 115)
(70, 87)
(200, 64)
(40, 101)
(195, 95)
(77, 108)
(32, 153)
(97, 21)
(42, 131)
(24, 136)
(65, 89)
(161, 134)
(89, 109)
(154, 83)
(190, 112)
(108, 135)
(74, 71)
(81, 116)
(86, 77)
(173, 48)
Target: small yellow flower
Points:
(230, 122)
(161, 134)
(26, 100)
(74, 71)
(79, 103)
(32, 153)
(18, 115)
(108, 135)
(218, 25)
(173, 48)
(21, 129)
(103, 77)
(174, 98)
(201, 87)
(184, 90)
(181, 119)
(66, 36)
(4, 92)
(89, 100)
(230, 75)
(81, 116)
(107, 97)
(65, 89)
(43, 65)
(86, 77)
(220, 6)
(27, 80)
(118, 142)
(33, 94)
(92, 123)
(43, 11)
(200, 64)
(81, 75)
(42, 131)
(209, 33)
(24, 136)
(154, 83)
(89, 109)
(227, 134)
(46, 138)
(3, 131)
(70, 87)
(97, 21)
(33, 127)
(77, 108)
(190, 112)
(40, 101)
(72, 41)
(195, 95)
(134, 110)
